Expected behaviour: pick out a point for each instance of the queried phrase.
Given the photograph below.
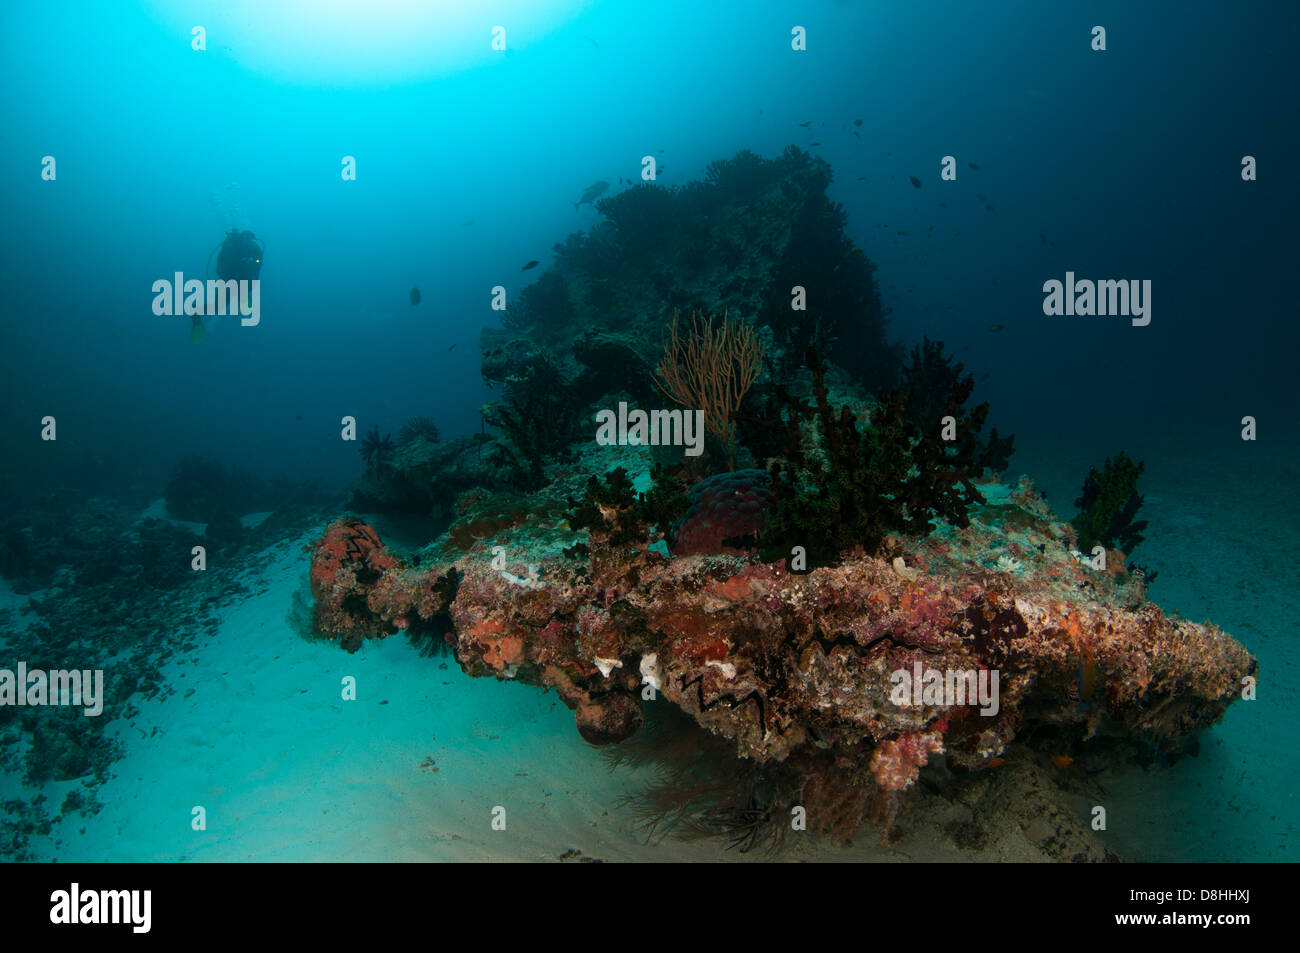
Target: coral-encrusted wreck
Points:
(795, 669)
(763, 604)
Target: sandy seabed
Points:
(257, 733)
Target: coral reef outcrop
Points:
(802, 672)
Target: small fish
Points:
(988, 208)
(1062, 760)
(297, 417)
(532, 264)
(857, 134)
(997, 762)
(815, 144)
(415, 296)
(1042, 238)
(930, 229)
(995, 328)
(973, 166)
(453, 347)
(981, 196)
(857, 122)
(805, 125)
(915, 181)
(861, 177)
(900, 233)
(943, 205)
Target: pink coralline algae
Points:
(726, 507)
(797, 670)
(898, 761)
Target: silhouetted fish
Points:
(531, 264)
(857, 122)
(805, 125)
(816, 143)
(973, 166)
(591, 193)
(995, 328)
(415, 296)
(943, 205)
(915, 181)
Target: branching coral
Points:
(710, 369)
(853, 488)
(932, 381)
(537, 417)
(1109, 503)
(617, 516)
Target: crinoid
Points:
(376, 450)
(700, 788)
(418, 427)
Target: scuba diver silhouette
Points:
(240, 259)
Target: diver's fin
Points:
(197, 330)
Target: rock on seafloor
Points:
(799, 668)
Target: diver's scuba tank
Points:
(240, 251)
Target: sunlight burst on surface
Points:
(345, 43)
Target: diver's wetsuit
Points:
(240, 260)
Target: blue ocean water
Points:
(473, 130)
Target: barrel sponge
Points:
(722, 507)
